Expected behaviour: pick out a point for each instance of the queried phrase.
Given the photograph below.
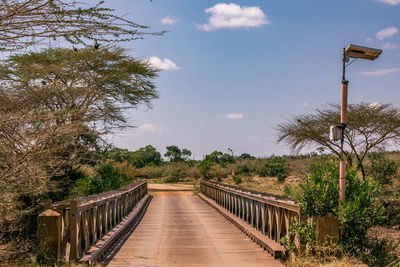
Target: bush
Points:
(218, 172)
(275, 166)
(361, 211)
(106, 178)
(242, 168)
(175, 173)
(150, 172)
(126, 171)
(381, 168)
(301, 238)
(263, 172)
(237, 179)
(204, 168)
(281, 177)
(194, 173)
(319, 193)
(392, 211)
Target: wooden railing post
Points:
(74, 228)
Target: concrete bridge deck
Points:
(180, 229)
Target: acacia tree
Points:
(87, 90)
(92, 86)
(53, 106)
(175, 154)
(369, 127)
(28, 22)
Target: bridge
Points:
(157, 225)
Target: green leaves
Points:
(319, 195)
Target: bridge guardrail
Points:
(86, 220)
(268, 213)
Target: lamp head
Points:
(358, 51)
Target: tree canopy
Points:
(219, 158)
(369, 127)
(28, 22)
(87, 85)
(145, 156)
(175, 154)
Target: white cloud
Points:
(233, 16)
(390, 2)
(233, 116)
(169, 20)
(165, 64)
(389, 45)
(151, 128)
(379, 72)
(387, 32)
(374, 105)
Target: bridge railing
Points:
(268, 213)
(86, 220)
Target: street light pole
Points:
(343, 122)
(352, 51)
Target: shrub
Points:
(361, 211)
(175, 174)
(126, 171)
(106, 178)
(301, 238)
(237, 179)
(204, 168)
(218, 172)
(150, 172)
(242, 168)
(275, 166)
(263, 172)
(194, 173)
(392, 211)
(319, 193)
(381, 168)
(281, 177)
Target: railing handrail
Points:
(271, 199)
(269, 214)
(85, 220)
(101, 197)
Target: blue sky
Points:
(233, 70)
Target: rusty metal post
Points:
(343, 121)
(74, 230)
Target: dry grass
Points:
(308, 261)
(390, 233)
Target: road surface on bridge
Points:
(180, 229)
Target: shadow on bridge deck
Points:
(180, 229)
